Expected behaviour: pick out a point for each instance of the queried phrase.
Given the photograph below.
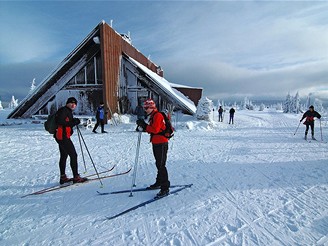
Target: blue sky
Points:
(232, 49)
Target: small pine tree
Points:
(13, 103)
(262, 107)
(296, 104)
(279, 106)
(32, 85)
(308, 101)
(287, 104)
(318, 105)
(204, 109)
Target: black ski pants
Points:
(160, 154)
(231, 119)
(66, 148)
(311, 124)
(101, 123)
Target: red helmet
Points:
(149, 103)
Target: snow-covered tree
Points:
(32, 85)
(296, 104)
(262, 107)
(287, 104)
(247, 104)
(318, 106)
(204, 109)
(1, 108)
(279, 106)
(292, 104)
(13, 103)
(308, 101)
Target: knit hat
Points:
(71, 100)
(311, 107)
(149, 103)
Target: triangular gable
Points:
(56, 80)
(175, 95)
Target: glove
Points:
(76, 121)
(142, 124)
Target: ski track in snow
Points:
(255, 183)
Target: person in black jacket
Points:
(220, 110)
(65, 122)
(309, 121)
(232, 113)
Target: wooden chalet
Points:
(106, 67)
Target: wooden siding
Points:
(194, 94)
(111, 51)
(113, 45)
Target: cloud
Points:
(26, 37)
(230, 48)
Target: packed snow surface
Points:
(254, 183)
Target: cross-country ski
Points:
(154, 199)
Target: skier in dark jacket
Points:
(220, 110)
(100, 116)
(309, 121)
(160, 145)
(232, 113)
(65, 122)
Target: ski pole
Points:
(85, 167)
(135, 164)
(321, 129)
(297, 128)
(79, 132)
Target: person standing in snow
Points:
(220, 110)
(65, 122)
(309, 121)
(100, 116)
(231, 113)
(159, 143)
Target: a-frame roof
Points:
(78, 59)
(58, 78)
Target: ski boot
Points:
(64, 179)
(162, 193)
(154, 186)
(78, 179)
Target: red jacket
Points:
(64, 120)
(156, 125)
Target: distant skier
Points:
(100, 116)
(220, 110)
(232, 113)
(160, 145)
(309, 121)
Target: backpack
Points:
(50, 124)
(168, 132)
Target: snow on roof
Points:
(184, 86)
(166, 86)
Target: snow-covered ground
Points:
(254, 183)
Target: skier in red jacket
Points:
(65, 123)
(309, 115)
(159, 143)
